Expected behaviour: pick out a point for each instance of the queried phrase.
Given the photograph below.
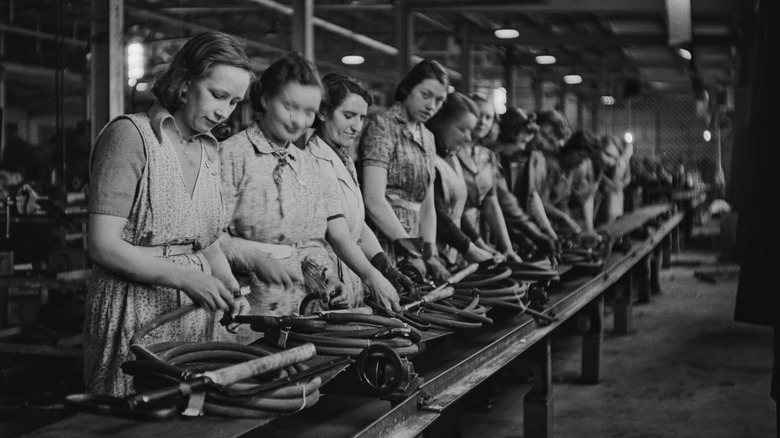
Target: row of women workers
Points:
(176, 218)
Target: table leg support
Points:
(642, 274)
(624, 307)
(591, 342)
(655, 270)
(666, 252)
(538, 403)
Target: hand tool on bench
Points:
(444, 290)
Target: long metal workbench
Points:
(454, 365)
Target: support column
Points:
(509, 76)
(538, 402)
(303, 28)
(624, 306)
(467, 61)
(3, 134)
(676, 246)
(641, 274)
(666, 250)
(591, 342)
(107, 63)
(404, 38)
(655, 270)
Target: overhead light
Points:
(707, 135)
(607, 100)
(545, 59)
(506, 33)
(353, 60)
(450, 89)
(142, 86)
(572, 79)
(629, 137)
(135, 61)
(684, 54)
(499, 100)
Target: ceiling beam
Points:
(632, 7)
(598, 40)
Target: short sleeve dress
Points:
(407, 151)
(278, 200)
(164, 212)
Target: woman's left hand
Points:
(242, 308)
(382, 291)
(336, 294)
(512, 256)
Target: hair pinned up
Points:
(291, 68)
(425, 69)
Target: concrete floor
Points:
(688, 371)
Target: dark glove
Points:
(408, 246)
(400, 282)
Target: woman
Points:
(339, 121)
(156, 212)
(278, 199)
(451, 127)
(396, 154)
(614, 159)
(573, 179)
(526, 235)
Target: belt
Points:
(165, 251)
(397, 201)
(277, 252)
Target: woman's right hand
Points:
(476, 254)
(208, 292)
(272, 272)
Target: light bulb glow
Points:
(707, 135)
(499, 100)
(545, 59)
(135, 61)
(572, 79)
(607, 100)
(684, 54)
(353, 60)
(628, 137)
(506, 34)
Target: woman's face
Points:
(211, 99)
(425, 99)
(549, 142)
(290, 112)
(342, 126)
(487, 115)
(457, 133)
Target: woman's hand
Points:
(382, 291)
(208, 292)
(512, 256)
(336, 294)
(242, 308)
(436, 269)
(271, 272)
(476, 254)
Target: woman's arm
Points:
(378, 209)
(492, 211)
(346, 249)
(244, 256)
(108, 250)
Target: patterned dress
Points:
(480, 170)
(351, 201)
(450, 200)
(407, 151)
(164, 212)
(282, 201)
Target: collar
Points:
(159, 116)
(407, 127)
(316, 146)
(263, 147)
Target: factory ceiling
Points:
(603, 41)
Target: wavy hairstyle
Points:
(514, 122)
(455, 106)
(291, 68)
(337, 88)
(425, 69)
(194, 60)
